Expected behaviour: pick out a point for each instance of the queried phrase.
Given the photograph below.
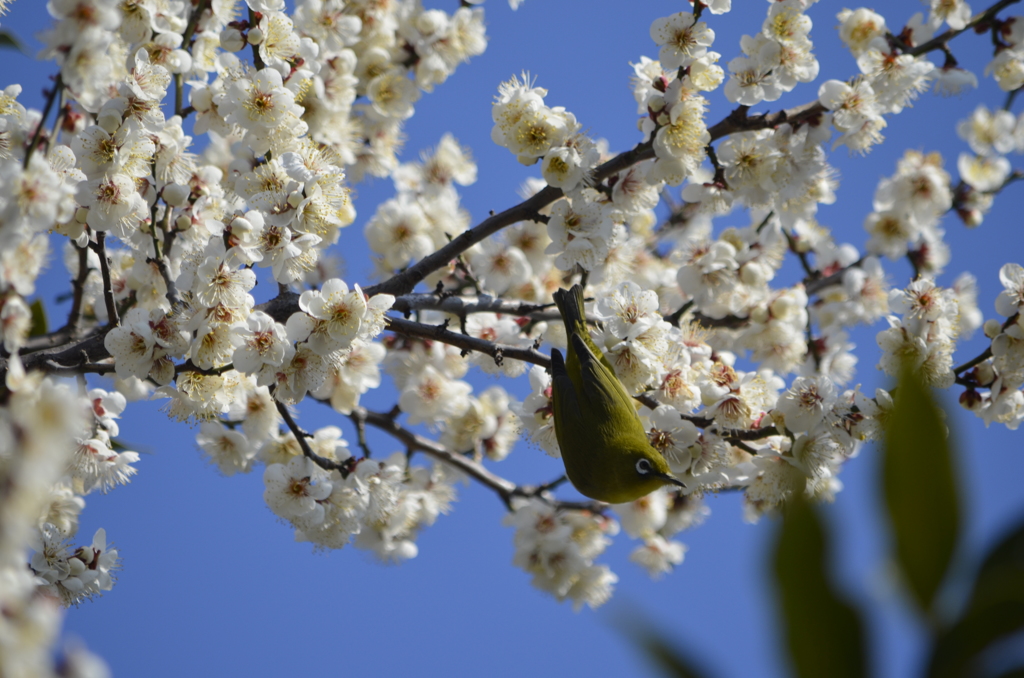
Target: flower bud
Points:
(782, 307)
(84, 555)
(986, 375)
(232, 40)
(752, 274)
(255, 36)
(992, 328)
(970, 399)
(176, 195)
(240, 225)
(81, 214)
(202, 99)
(971, 218)
(183, 222)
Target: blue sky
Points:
(213, 584)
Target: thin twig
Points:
(505, 489)
(466, 342)
(811, 273)
(813, 286)
(108, 289)
(186, 44)
(484, 303)
(985, 355)
(358, 418)
(256, 58)
(58, 86)
(344, 467)
(939, 40)
(78, 284)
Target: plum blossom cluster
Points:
(164, 246)
(1001, 372)
(425, 214)
(379, 505)
(890, 77)
(54, 450)
(932, 318)
(533, 131)
(775, 60)
(990, 135)
(668, 95)
(908, 207)
(558, 548)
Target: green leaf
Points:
(39, 324)
(920, 489)
(9, 41)
(994, 610)
(824, 633)
(659, 650)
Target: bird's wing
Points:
(563, 399)
(603, 394)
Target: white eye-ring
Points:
(643, 467)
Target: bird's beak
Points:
(670, 479)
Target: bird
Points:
(604, 446)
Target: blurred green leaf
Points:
(824, 633)
(9, 41)
(920, 489)
(654, 645)
(39, 324)
(994, 610)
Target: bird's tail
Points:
(570, 305)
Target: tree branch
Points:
(466, 342)
(344, 467)
(940, 40)
(485, 303)
(108, 289)
(505, 489)
(58, 87)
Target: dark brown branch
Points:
(344, 467)
(818, 284)
(728, 434)
(186, 44)
(441, 333)
(165, 273)
(985, 355)
(59, 370)
(85, 351)
(189, 366)
(729, 322)
(484, 303)
(982, 17)
(108, 289)
(505, 489)
(78, 284)
(812, 274)
(737, 121)
(256, 58)
(58, 86)
(358, 418)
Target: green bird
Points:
(604, 445)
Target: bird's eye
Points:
(643, 467)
